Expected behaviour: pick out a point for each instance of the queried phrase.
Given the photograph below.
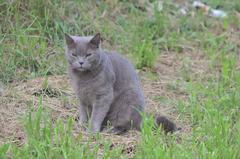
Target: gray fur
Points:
(106, 84)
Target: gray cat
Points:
(107, 86)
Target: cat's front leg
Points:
(83, 114)
(100, 110)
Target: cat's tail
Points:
(167, 125)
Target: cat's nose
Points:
(80, 63)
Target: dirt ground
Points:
(162, 90)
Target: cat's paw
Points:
(116, 131)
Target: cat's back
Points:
(124, 70)
(127, 84)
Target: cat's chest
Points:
(89, 90)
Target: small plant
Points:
(145, 54)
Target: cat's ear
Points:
(69, 40)
(95, 41)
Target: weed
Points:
(145, 54)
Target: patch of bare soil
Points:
(173, 73)
(161, 92)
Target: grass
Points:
(32, 45)
(54, 140)
(146, 54)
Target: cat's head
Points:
(83, 52)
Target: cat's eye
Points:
(74, 54)
(88, 55)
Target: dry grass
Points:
(60, 100)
